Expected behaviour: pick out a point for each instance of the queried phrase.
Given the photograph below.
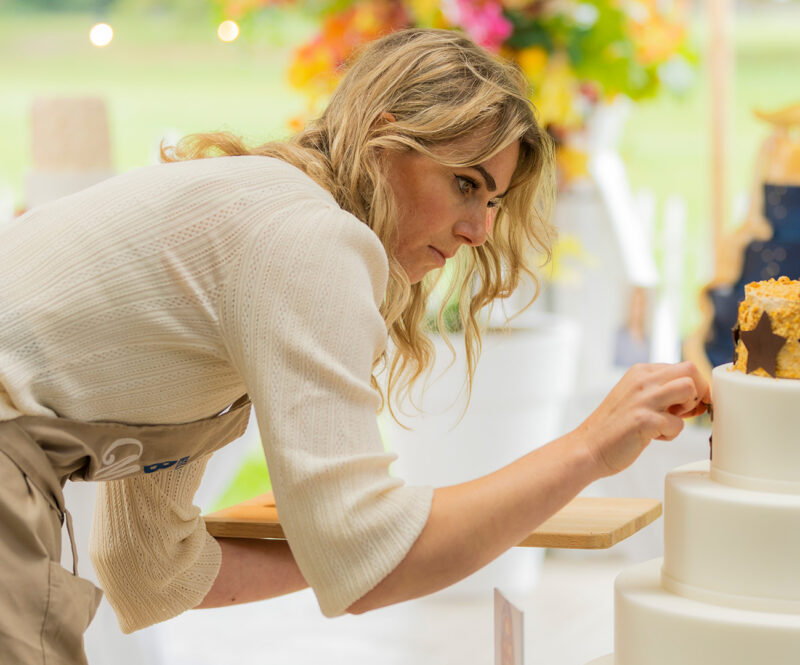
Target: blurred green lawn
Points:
(168, 73)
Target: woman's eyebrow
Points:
(491, 185)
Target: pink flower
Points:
(482, 20)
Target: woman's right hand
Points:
(650, 402)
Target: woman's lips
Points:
(438, 256)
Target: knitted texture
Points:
(160, 296)
(149, 546)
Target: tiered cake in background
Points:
(727, 591)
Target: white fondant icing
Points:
(756, 431)
(755, 484)
(730, 546)
(656, 627)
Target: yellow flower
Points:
(313, 68)
(572, 163)
(567, 258)
(556, 95)
(427, 13)
(365, 21)
(533, 61)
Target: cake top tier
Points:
(782, 288)
(767, 333)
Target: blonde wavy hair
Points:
(451, 101)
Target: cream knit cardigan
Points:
(160, 296)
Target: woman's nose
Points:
(473, 228)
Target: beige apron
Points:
(45, 609)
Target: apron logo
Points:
(113, 468)
(152, 468)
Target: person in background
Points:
(133, 313)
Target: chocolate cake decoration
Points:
(762, 346)
(736, 334)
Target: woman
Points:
(163, 295)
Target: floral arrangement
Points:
(576, 54)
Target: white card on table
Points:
(507, 632)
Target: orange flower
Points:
(296, 124)
(315, 67)
(657, 36)
(237, 9)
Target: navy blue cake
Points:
(762, 260)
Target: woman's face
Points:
(442, 208)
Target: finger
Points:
(698, 410)
(688, 368)
(704, 406)
(670, 427)
(677, 397)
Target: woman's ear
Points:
(388, 117)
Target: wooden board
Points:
(584, 523)
(594, 523)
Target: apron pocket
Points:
(71, 607)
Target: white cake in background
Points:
(70, 147)
(727, 591)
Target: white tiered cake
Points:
(727, 591)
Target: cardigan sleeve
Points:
(149, 546)
(303, 326)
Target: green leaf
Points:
(528, 32)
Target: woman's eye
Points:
(465, 185)
(493, 203)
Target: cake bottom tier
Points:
(655, 627)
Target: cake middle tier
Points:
(756, 431)
(730, 546)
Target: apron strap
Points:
(71, 534)
(34, 463)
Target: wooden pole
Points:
(720, 71)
